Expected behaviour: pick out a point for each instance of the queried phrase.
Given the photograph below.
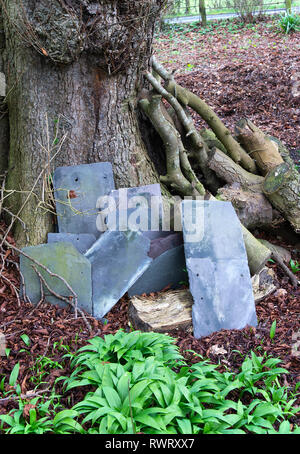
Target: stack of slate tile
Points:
(102, 266)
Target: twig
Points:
(289, 273)
(65, 299)
(28, 395)
(14, 288)
(62, 298)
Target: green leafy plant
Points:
(290, 22)
(161, 394)
(139, 382)
(42, 368)
(272, 330)
(295, 266)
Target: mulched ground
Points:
(252, 77)
(50, 327)
(241, 72)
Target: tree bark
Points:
(82, 71)
(202, 11)
(282, 188)
(263, 151)
(4, 125)
(252, 208)
(288, 6)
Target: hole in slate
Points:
(76, 179)
(197, 274)
(242, 275)
(77, 239)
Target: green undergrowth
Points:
(139, 383)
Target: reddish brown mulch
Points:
(243, 73)
(49, 327)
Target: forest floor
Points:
(244, 72)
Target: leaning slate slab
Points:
(140, 218)
(65, 261)
(162, 244)
(217, 266)
(137, 196)
(166, 269)
(77, 190)
(81, 241)
(118, 259)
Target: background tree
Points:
(202, 10)
(288, 5)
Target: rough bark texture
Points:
(231, 172)
(83, 72)
(282, 188)
(263, 151)
(4, 126)
(252, 208)
(188, 98)
(202, 11)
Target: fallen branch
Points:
(286, 270)
(187, 98)
(174, 150)
(74, 305)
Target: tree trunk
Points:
(202, 11)
(4, 127)
(288, 6)
(187, 7)
(79, 74)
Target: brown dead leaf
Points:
(72, 194)
(26, 410)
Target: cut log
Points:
(231, 172)
(163, 312)
(257, 253)
(234, 149)
(172, 310)
(282, 188)
(255, 142)
(252, 208)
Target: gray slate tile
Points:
(218, 269)
(81, 241)
(87, 182)
(118, 259)
(167, 268)
(64, 260)
(219, 230)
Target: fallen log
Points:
(252, 208)
(172, 310)
(231, 172)
(282, 188)
(256, 143)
